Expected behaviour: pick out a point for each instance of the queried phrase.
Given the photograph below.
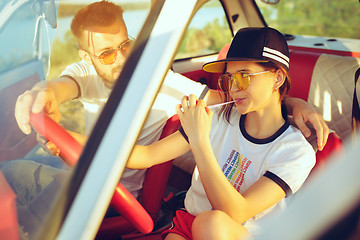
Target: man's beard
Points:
(108, 78)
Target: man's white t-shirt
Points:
(286, 158)
(94, 94)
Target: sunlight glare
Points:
(339, 105)
(93, 108)
(317, 96)
(327, 106)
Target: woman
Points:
(248, 158)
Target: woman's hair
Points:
(102, 14)
(283, 90)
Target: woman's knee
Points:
(208, 225)
(217, 224)
(209, 218)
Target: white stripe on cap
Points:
(276, 58)
(276, 52)
(276, 55)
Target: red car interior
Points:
(8, 220)
(152, 193)
(122, 201)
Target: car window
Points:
(16, 38)
(207, 33)
(330, 18)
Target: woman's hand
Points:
(195, 118)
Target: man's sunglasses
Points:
(109, 56)
(241, 80)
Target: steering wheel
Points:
(122, 201)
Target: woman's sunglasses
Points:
(241, 80)
(109, 56)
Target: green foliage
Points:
(73, 116)
(63, 53)
(331, 18)
(207, 40)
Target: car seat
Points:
(333, 145)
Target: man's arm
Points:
(301, 110)
(213, 97)
(44, 96)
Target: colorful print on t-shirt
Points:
(235, 168)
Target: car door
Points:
(24, 40)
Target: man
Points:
(104, 44)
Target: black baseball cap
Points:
(254, 44)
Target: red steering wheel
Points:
(122, 201)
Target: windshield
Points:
(80, 72)
(34, 50)
(330, 18)
(17, 37)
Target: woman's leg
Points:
(181, 227)
(217, 225)
(174, 236)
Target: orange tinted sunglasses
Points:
(109, 56)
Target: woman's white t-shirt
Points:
(286, 157)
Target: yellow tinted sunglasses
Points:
(241, 80)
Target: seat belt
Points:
(355, 107)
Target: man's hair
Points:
(102, 14)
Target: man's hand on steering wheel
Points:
(52, 149)
(48, 146)
(38, 99)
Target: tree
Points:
(331, 18)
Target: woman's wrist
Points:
(199, 143)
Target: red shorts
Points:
(181, 225)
